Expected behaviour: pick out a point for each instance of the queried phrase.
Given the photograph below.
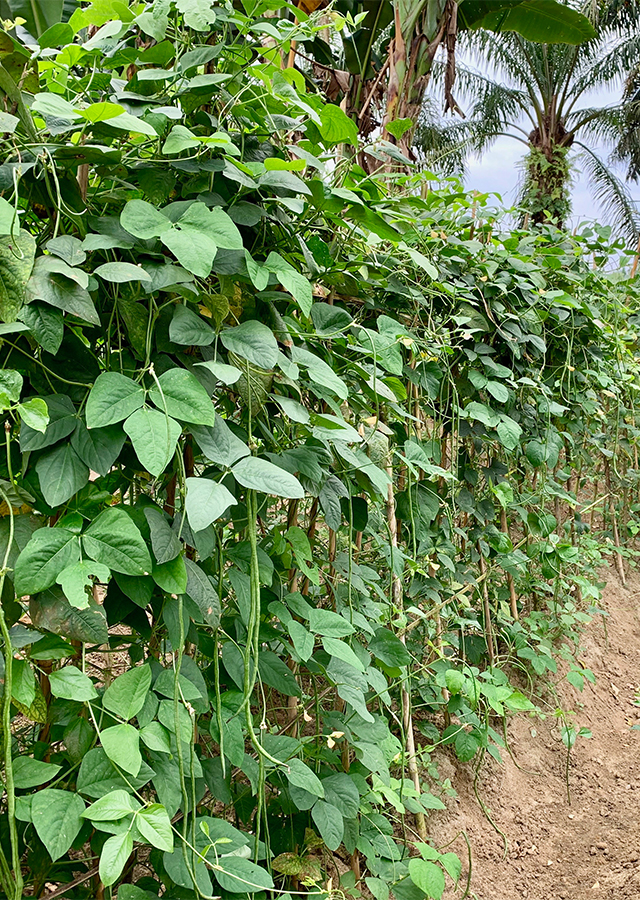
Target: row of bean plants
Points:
(307, 471)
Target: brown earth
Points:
(588, 849)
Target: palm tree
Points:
(538, 94)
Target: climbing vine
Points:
(307, 473)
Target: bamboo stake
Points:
(614, 526)
(513, 599)
(407, 721)
(488, 627)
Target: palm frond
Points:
(602, 124)
(481, 94)
(611, 194)
(610, 67)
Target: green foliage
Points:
(287, 453)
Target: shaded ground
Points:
(589, 850)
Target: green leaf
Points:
(336, 127)
(113, 397)
(62, 421)
(56, 816)
(481, 413)
(179, 139)
(184, 397)
(171, 576)
(536, 453)
(276, 673)
(466, 745)
(126, 122)
(154, 437)
(509, 433)
(98, 775)
(101, 112)
(224, 373)
(46, 324)
(29, 772)
(197, 236)
(498, 391)
(202, 592)
(299, 288)
(195, 251)
(215, 223)
(67, 248)
(17, 255)
(8, 123)
(62, 474)
(341, 792)
(78, 738)
(387, 647)
(542, 21)
(329, 822)
(121, 743)
(454, 680)
(23, 687)
(330, 319)
(98, 448)
(452, 865)
(131, 891)
(219, 444)
(115, 853)
(398, 127)
(35, 414)
(61, 290)
(77, 581)
(165, 543)
(241, 876)
(50, 104)
(10, 387)
(284, 181)
(143, 220)
(113, 539)
(188, 328)
(261, 475)
(153, 824)
(113, 806)
(176, 868)
(52, 611)
(427, 876)
(303, 640)
(341, 650)
(197, 15)
(72, 684)
(49, 551)
(320, 372)
(126, 696)
(252, 341)
(355, 697)
(206, 501)
(122, 272)
(155, 737)
(300, 775)
(329, 624)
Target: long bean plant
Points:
(307, 471)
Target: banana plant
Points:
(388, 51)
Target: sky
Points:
(498, 170)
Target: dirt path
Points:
(589, 850)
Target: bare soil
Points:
(588, 849)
